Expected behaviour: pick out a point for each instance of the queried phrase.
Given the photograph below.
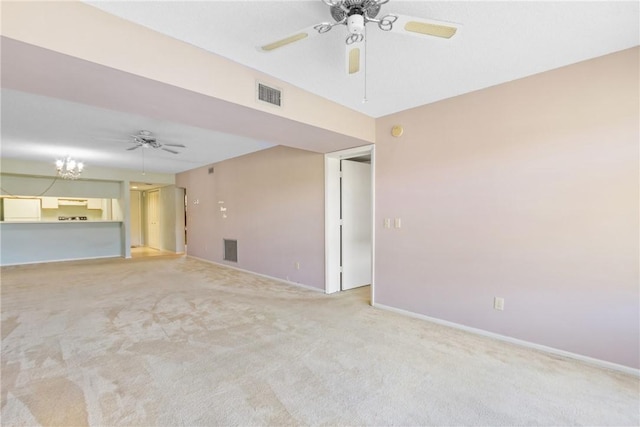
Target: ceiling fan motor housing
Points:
(349, 7)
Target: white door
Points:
(135, 219)
(153, 219)
(356, 241)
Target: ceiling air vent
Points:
(269, 95)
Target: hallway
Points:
(145, 251)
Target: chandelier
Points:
(69, 168)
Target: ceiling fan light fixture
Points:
(355, 23)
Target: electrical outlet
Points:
(498, 303)
(397, 223)
(387, 223)
(297, 265)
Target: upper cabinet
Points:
(24, 208)
(95, 203)
(49, 203)
(21, 209)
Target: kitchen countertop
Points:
(59, 222)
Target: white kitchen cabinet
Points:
(21, 209)
(94, 203)
(49, 202)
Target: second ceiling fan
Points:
(355, 15)
(145, 139)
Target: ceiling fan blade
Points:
(285, 41)
(171, 151)
(354, 55)
(422, 26)
(112, 139)
(174, 145)
(353, 59)
(305, 33)
(133, 148)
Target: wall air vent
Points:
(231, 250)
(269, 95)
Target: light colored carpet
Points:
(180, 342)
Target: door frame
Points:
(138, 206)
(332, 215)
(158, 213)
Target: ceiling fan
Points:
(145, 139)
(355, 15)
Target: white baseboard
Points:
(277, 279)
(586, 359)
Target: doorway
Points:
(355, 225)
(157, 219)
(349, 219)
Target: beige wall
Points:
(527, 191)
(274, 201)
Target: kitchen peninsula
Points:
(44, 229)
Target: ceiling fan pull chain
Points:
(364, 100)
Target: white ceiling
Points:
(56, 108)
(498, 42)
(43, 129)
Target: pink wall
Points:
(275, 209)
(527, 191)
